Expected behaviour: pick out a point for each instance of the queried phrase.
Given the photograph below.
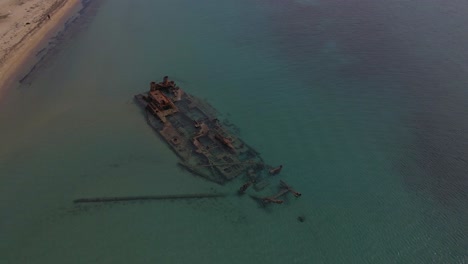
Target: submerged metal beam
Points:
(150, 197)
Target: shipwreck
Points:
(205, 145)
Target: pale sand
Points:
(24, 25)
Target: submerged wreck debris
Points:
(276, 170)
(190, 127)
(285, 188)
(244, 187)
(150, 197)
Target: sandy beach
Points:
(24, 25)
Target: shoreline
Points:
(21, 55)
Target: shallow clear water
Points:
(363, 102)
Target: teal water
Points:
(363, 102)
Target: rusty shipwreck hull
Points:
(192, 130)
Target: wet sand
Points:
(24, 27)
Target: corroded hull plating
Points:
(190, 127)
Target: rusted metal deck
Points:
(190, 127)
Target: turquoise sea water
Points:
(364, 102)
